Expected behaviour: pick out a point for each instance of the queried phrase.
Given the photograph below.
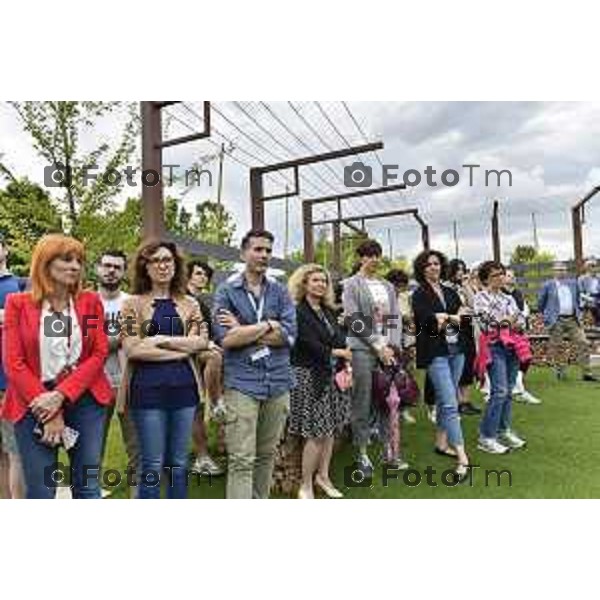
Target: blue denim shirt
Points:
(268, 377)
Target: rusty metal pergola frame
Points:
(153, 211)
(153, 217)
(257, 196)
(578, 219)
(349, 222)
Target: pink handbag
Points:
(343, 379)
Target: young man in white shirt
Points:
(110, 270)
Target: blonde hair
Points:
(299, 279)
(46, 250)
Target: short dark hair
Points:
(454, 265)
(487, 267)
(115, 253)
(369, 248)
(397, 277)
(256, 233)
(201, 265)
(420, 264)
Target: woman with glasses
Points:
(500, 346)
(441, 351)
(162, 334)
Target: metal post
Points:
(577, 238)
(337, 248)
(496, 234)
(256, 196)
(152, 196)
(425, 236)
(455, 228)
(220, 180)
(309, 245)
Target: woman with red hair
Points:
(54, 349)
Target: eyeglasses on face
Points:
(166, 261)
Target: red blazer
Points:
(21, 354)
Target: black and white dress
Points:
(317, 407)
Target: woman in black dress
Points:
(318, 409)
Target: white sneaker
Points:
(527, 398)
(398, 463)
(407, 417)
(205, 465)
(432, 414)
(492, 446)
(512, 440)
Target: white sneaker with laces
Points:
(527, 398)
(512, 440)
(492, 446)
(205, 465)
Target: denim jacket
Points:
(268, 377)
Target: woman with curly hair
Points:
(162, 335)
(441, 350)
(318, 409)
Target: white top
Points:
(565, 300)
(58, 349)
(112, 307)
(112, 315)
(382, 309)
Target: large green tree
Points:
(209, 222)
(26, 213)
(57, 131)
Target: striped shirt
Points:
(493, 308)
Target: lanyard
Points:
(259, 310)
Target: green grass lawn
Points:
(562, 458)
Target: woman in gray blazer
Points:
(374, 336)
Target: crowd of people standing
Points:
(261, 360)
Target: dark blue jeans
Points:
(164, 437)
(40, 462)
(503, 372)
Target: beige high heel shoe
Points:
(328, 489)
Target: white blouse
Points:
(59, 347)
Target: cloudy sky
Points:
(550, 148)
